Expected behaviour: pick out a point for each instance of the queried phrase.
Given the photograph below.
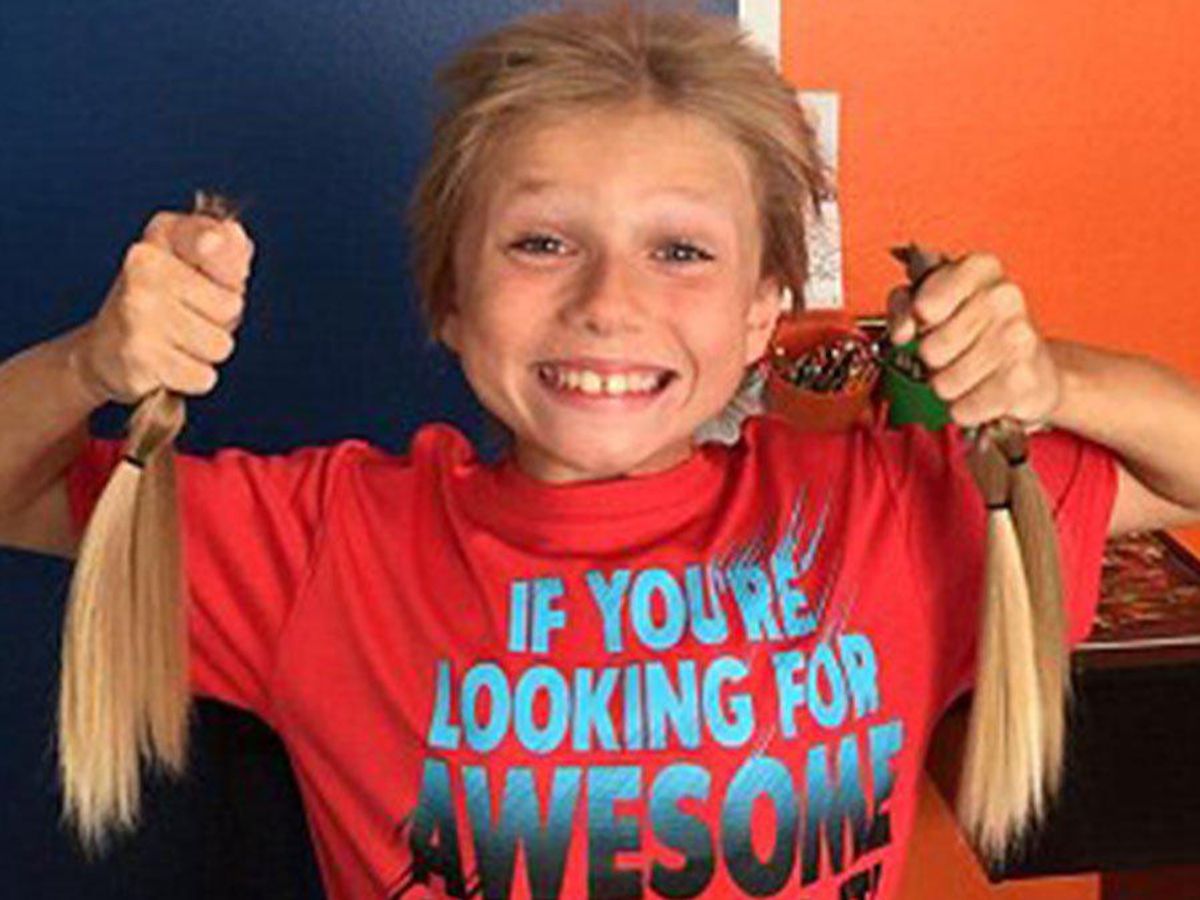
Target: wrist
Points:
(84, 383)
(1079, 378)
(1066, 382)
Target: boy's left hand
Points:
(986, 357)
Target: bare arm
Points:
(167, 321)
(1149, 415)
(44, 407)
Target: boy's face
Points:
(608, 296)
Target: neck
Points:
(538, 463)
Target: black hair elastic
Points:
(129, 457)
(1017, 460)
(1003, 504)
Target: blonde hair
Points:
(124, 696)
(622, 52)
(1013, 760)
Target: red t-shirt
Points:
(718, 680)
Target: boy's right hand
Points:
(170, 315)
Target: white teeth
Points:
(590, 382)
(614, 384)
(594, 383)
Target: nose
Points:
(605, 300)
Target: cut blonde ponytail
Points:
(1013, 760)
(124, 695)
(1038, 538)
(1003, 778)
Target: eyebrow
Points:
(542, 185)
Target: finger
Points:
(901, 325)
(955, 336)
(192, 289)
(983, 403)
(181, 372)
(202, 243)
(948, 286)
(220, 249)
(224, 309)
(971, 368)
(196, 336)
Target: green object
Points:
(910, 398)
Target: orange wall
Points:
(1063, 137)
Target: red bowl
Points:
(816, 410)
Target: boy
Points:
(616, 663)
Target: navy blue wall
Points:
(315, 112)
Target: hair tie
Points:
(1003, 504)
(1017, 460)
(130, 458)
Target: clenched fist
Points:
(987, 357)
(169, 318)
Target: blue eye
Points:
(538, 241)
(676, 251)
(694, 253)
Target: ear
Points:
(762, 316)
(447, 331)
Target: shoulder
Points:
(861, 450)
(434, 445)
(227, 478)
(436, 451)
(1068, 463)
(918, 457)
(324, 468)
(770, 435)
(316, 468)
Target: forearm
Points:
(1146, 412)
(44, 409)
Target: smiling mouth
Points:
(592, 385)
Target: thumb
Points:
(227, 251)
(901, 325)
(220, 249)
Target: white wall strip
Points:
(761, 19)
(823, 290)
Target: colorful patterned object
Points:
(1149, 593)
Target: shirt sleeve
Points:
(945, 524)
(250, 526)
